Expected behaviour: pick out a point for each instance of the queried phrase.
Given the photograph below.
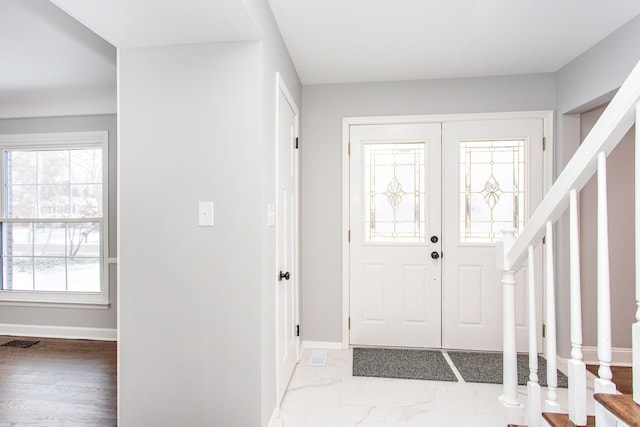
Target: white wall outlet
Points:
(205, 214)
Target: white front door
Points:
(395, 189)
(492, 181)
(287, 246)
(409, 203)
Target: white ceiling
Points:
(334, 41)
(330, 41)
(41, 47)
(136, 23)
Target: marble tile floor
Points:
(329, 396)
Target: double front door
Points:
(428, 202)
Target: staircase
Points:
(513, 253)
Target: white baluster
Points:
(509, 399)
(577, 369)
(551, 403)
(533, 386)
(636, 325)
(603, 384)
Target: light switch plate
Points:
(271, 215)
(205, 214)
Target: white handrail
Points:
(614, 123)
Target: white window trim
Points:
(97, 139)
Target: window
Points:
(53, 224)
(493, 188)
(394, 193)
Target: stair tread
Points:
(562, 420)
(622, 406)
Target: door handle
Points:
(284, 276)
(435, 255)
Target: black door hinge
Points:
(297, 330)
(297, 142)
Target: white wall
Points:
(190, 297)
(324, 107)
(71, 317)
(620, 194)
(584, 83)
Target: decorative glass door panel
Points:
(394, 192)
(493, 188)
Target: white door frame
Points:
(347, 122)
(281, 87)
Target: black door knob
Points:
(435, 255)
(284, 276)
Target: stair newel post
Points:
(636, 326)
(533, 386)
(577, 369)
(509, 398)
(603, 384)
(551, 402)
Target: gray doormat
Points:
(401, 363)
(476, 367)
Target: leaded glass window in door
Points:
(394, 192)
(493, 188)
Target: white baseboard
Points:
(324, 345)
(619, 356)
(44, 331)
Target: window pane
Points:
(86, 166)
(22, 201)
(22, 166)
(53, 201)
(54, 184)
(18, 239)
(53, 167)
(86, 200)
(17, 273)
(492, 189)
(83, 239)
(83, 274)
(394, 193)
(50, 239)
(50, 274)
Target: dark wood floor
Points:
(621, 377)
(58, 383)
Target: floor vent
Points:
(20, 343)
(318, 358)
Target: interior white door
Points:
(395, 209)
(493, 172)
(286, 253)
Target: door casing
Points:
(347, 122)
